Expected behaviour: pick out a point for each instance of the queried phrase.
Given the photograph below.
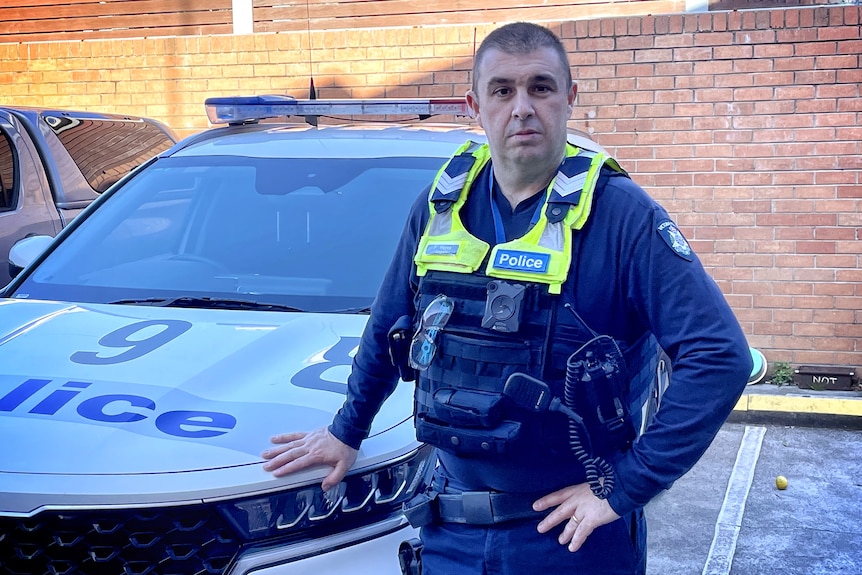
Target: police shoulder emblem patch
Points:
(674, 239)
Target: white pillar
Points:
(243, 22)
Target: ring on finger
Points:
(575, 520)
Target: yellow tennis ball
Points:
(781, 482)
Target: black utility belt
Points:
(470, 507)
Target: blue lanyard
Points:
(499, 232)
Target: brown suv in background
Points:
(53, 163)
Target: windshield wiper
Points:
(207, 302)
(364, 310)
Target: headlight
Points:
(360, 499)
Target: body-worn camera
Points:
(503, 306)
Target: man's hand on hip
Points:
(581, 511)
(296, 451)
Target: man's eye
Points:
(542, 89)
(502, 92)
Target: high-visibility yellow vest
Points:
(543, 254)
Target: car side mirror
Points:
(25, 251)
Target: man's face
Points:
(523, 102)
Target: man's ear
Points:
(473, 105)
(573, 92)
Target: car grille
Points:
(175, 541)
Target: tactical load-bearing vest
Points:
(459, 401)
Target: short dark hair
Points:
(522, 38)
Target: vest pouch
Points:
(479, 362)
(467, 408)
(467, 441)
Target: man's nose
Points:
(523, 105)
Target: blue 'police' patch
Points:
(674, 239)
(522, 261)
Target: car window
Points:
(105, 150)
(312, 233)
(8, 199)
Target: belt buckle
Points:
(476, 506)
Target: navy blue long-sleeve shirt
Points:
(631, 275)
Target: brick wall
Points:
(745, 125)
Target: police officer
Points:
(537, 279)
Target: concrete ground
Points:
(726, 516)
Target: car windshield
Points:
(311, 234)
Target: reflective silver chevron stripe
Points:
(447, 185)
(565, 186)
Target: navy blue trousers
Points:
(516, 548)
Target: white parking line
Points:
(720, 557)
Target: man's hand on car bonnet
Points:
(296, 451)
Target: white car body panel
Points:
(247, 375)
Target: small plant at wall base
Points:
(782, 373)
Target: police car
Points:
(211, 299)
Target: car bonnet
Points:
(119, 391)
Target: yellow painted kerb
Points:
(800, 404)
